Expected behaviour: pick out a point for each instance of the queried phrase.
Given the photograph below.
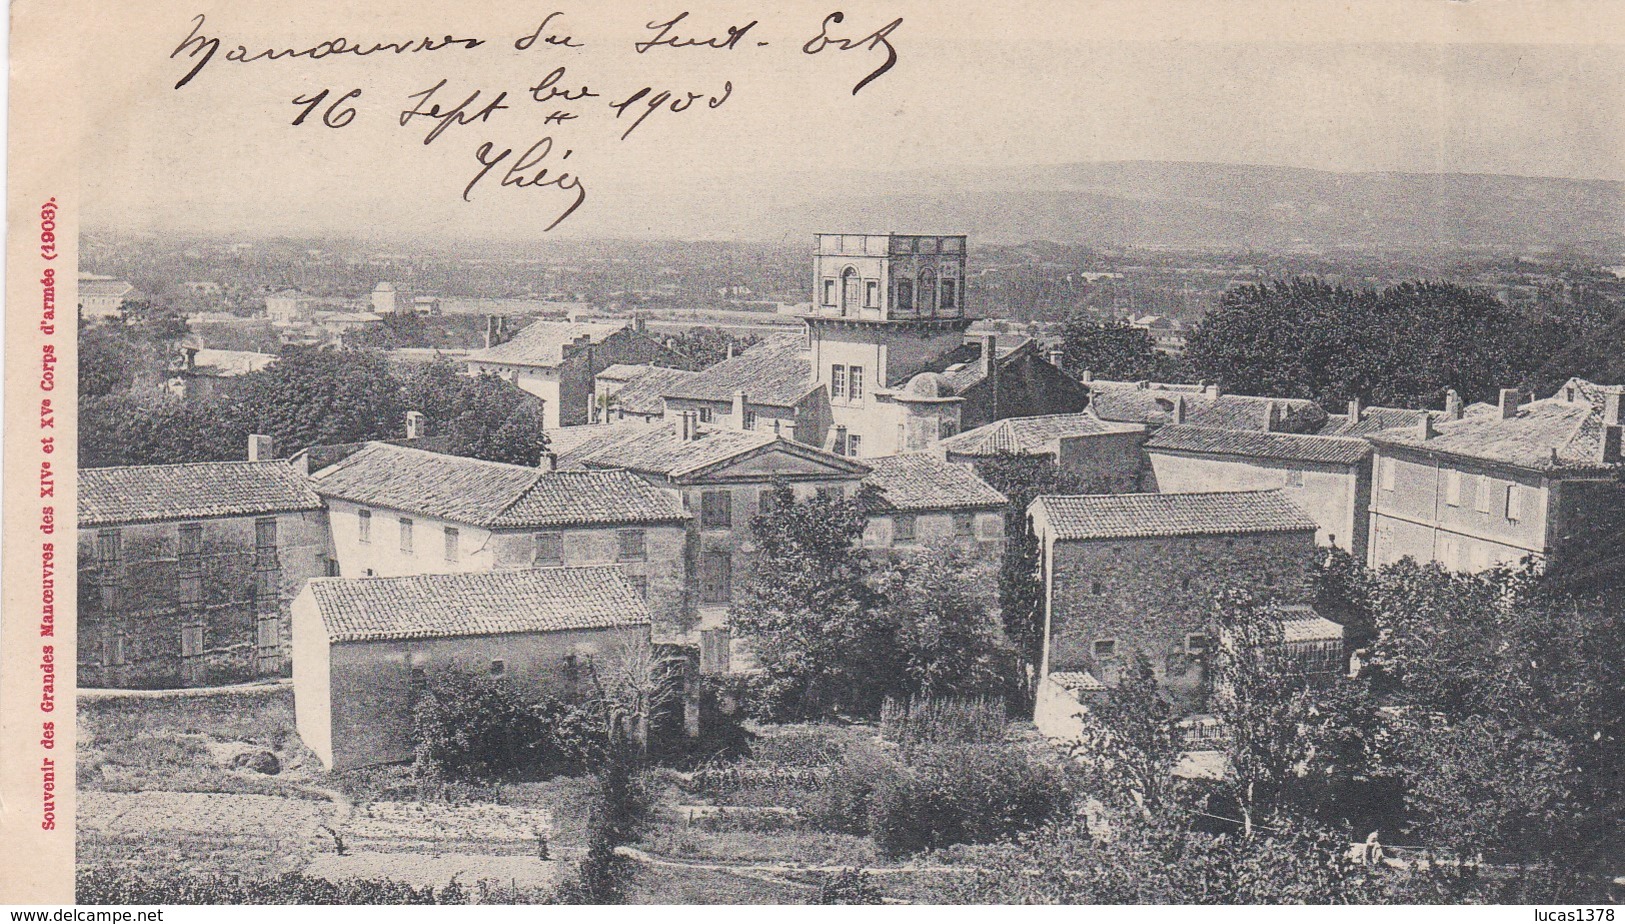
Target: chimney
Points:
(741, 405)
(191, 357)
(1424, 427)
(550, 461)
(1509, 402)
(1212, 391)
(490, 331)
(1611, 443)
(414, 425)
(1086, 377)
(1354, 410)
(1057, 358)
(840, 441)
(679, 425)
(1452, 405)
(1272, 418)
(693, 425)
(259, 448)
(1179, 409)
(990, 353)
(730, 349)
(1612, 411)
(638, 324)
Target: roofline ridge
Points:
(108, 468)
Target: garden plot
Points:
(474, 823)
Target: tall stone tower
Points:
(884, 307)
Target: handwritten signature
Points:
(528, 172)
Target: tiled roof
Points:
(543, 343)
(590, 497)
(195, 491)
(1121, 516)
(1301, 623)
(1129, 403)
(622, 372)
(479, 603)
(1077, 681)
(104, 288)
(1373, 419)
(646, 393)
(1546, 435)
(1291, 447)
(918, 481)
(492, 494)
(659, 450)
(1030, 435)
(775, 372)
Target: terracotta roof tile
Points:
(543, 343)
(1291, 447)
(659, 450)
(646, 393)
(195, 491)
(480, 603)
(1030, 435)
(1121, 516)
(1546, 435)
(492, 494)
(1077, 681)
(1130, 403)
(918, 481)
(775, 372)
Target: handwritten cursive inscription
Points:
(459, 114)
(876, 39)
(520, 173)
(203, 48)
(666, 36)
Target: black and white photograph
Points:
(881, 453)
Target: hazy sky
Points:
(1455, 87)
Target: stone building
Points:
(1136, 574)
(1538, 480)
(884, 365)
(723, 475)
(186, 572)
(638, 392)
(365, 648)
(922, 500)
(102, 296)
(557, 360)
(1328, 477)
(397, 511)
(200, 372)
(1104, 455)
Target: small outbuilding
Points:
(364, 648)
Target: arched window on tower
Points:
(928, 291)
(850, 293)
(905, 295)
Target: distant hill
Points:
(1146, 203)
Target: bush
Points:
(843, 803)
(930, 721)
(471, 726)
(966, 794)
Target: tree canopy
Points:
(1402, 346)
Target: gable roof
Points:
(919, 481)
(103, 287)
(660, 450)
(477, 603)
(622, 372)
(493, 494)
(1124, 516)
(776, 372)
(544, 343)
(646, 393)
(1031, 435)
(128, 494)
(1548, 435)
(1132, 402)
(1300, 623)
(1290, 447)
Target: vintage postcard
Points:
(1104, 452)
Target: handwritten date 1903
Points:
(528, 171)
(652, 102)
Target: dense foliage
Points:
(1401, 346)
(1113, 350)
(471, 726)
(106, 886)
(836, 631)
(312, 397)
